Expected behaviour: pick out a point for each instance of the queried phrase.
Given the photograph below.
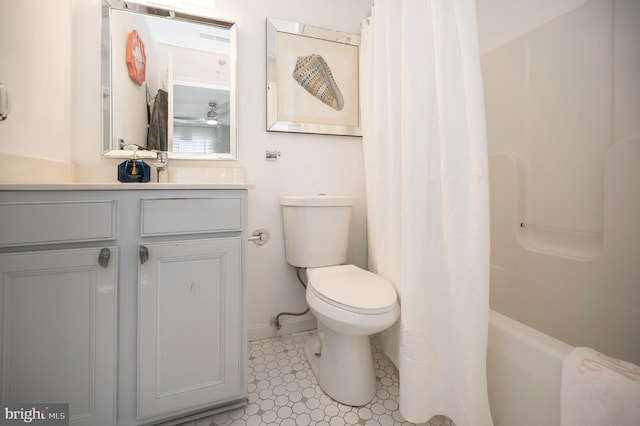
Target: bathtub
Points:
(524, 369)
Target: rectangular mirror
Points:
(168, 83)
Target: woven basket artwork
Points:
(314, 75)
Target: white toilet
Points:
(349, 303)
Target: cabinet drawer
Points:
(173, 216)
(31, 223)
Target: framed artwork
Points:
(312, 80)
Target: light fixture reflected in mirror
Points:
(212, 115)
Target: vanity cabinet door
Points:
(189, 325)
(58, 327)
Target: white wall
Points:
(500, 21)
(35, 66)
(309, 164)
(562, 105)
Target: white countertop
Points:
(120, 186)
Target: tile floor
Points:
(283, 391)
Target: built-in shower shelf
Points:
(573, 244)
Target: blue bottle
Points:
(134, 170)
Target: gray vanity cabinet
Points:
(58, 332)
(59, 305)
(190, 306)
(127, 304)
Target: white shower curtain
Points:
(427, 196)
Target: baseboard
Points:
(289, 325)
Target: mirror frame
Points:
(106, 80)
(276, 123)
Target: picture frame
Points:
(312, 79)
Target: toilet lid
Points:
(352, 288)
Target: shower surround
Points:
(564, 141)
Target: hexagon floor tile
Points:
(283, 391)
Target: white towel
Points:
(598, 390)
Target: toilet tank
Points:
(316, 229)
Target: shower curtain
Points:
(427, 200)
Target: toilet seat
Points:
(353, 289)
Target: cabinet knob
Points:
(103, 257)
(143, 252)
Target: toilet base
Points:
(344, 370)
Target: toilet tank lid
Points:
(316, 200)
